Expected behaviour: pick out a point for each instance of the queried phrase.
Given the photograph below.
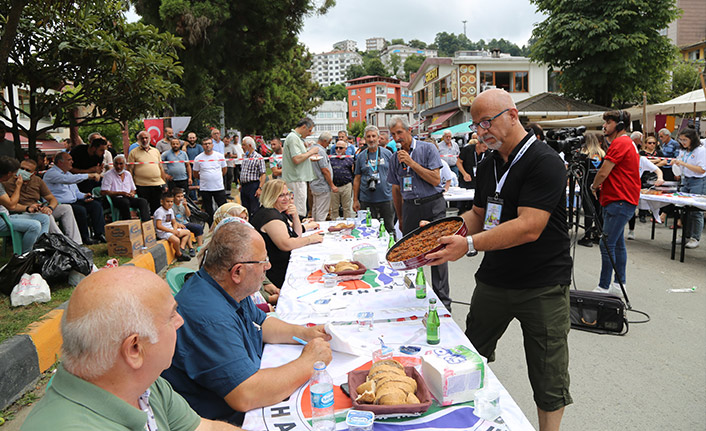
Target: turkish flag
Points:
(155, 127)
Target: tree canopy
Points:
(87, 57)
(412, 64)
(231, 51)
(608, 52)
(448, 43)
(332, 92)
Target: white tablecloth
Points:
(655, 202)
(397, 315)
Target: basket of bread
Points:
(389, 388)
(346, 269)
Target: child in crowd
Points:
(182, 214)
(170, 229)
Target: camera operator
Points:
(595, 153)
(371, 190)
(619, 182)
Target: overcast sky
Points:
(419, 19)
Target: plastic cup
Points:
(330, 280)
(487, 404)
(365, 321)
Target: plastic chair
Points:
(12, 234)
(175, 278)
(114, 215)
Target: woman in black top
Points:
(278, 223)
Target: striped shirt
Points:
(252, 167)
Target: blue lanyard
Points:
(377, 157)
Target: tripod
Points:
(577, 175)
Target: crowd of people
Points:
(209, 348)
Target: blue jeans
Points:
(31, 226)
(696, 218)
(615, 217)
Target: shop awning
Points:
(441, 119)
(417, 124)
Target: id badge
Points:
(474, 172)
(407, 184)
(492, 213)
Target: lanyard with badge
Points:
(407, 179)
(494, 207)
(475, 157)
(374, 174)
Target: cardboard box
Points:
(125, 248)
(453, 375)
(123, 231)
(149, 235)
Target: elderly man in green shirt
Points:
(296, 166)
(119, 333)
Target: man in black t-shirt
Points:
(519, 220)
(88, 159)
(467, 163)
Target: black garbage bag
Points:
(19, 264)
(197, 215)
(59, 254)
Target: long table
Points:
(397, 318)
(684, 203)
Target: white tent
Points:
(693, 101)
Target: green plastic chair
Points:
(114, 215)
(175, 278)
(11, 234)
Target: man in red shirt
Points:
(619, 182)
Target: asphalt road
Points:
(650, 379)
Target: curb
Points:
(24, 357)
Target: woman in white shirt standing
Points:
(692, 163)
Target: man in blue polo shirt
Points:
(416, 191)
(370, 186)
(216, 364)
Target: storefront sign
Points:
(431, 75)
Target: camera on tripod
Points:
(373, 181)
(568, 140)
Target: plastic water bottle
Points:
(687, 290)
(321, 387)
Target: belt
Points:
(421, 201)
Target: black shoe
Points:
(643, 219)
(99, 239)
(89, 241)
(192, 252)
(585, 241)
(183, 258)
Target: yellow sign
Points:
(431, 75)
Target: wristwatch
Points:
(471, 250)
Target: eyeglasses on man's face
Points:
(485, 124)
(251, 262)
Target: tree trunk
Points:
(8, 36)
(14, 125)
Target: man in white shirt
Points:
(118, 184)
(218, 145)
(209, 168)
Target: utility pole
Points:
(464, 28)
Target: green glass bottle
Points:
(381, 230)
(433, 323)
(391, 242)
(368, 219)
(420, 284)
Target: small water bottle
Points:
(321, 387)
(368, 219)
